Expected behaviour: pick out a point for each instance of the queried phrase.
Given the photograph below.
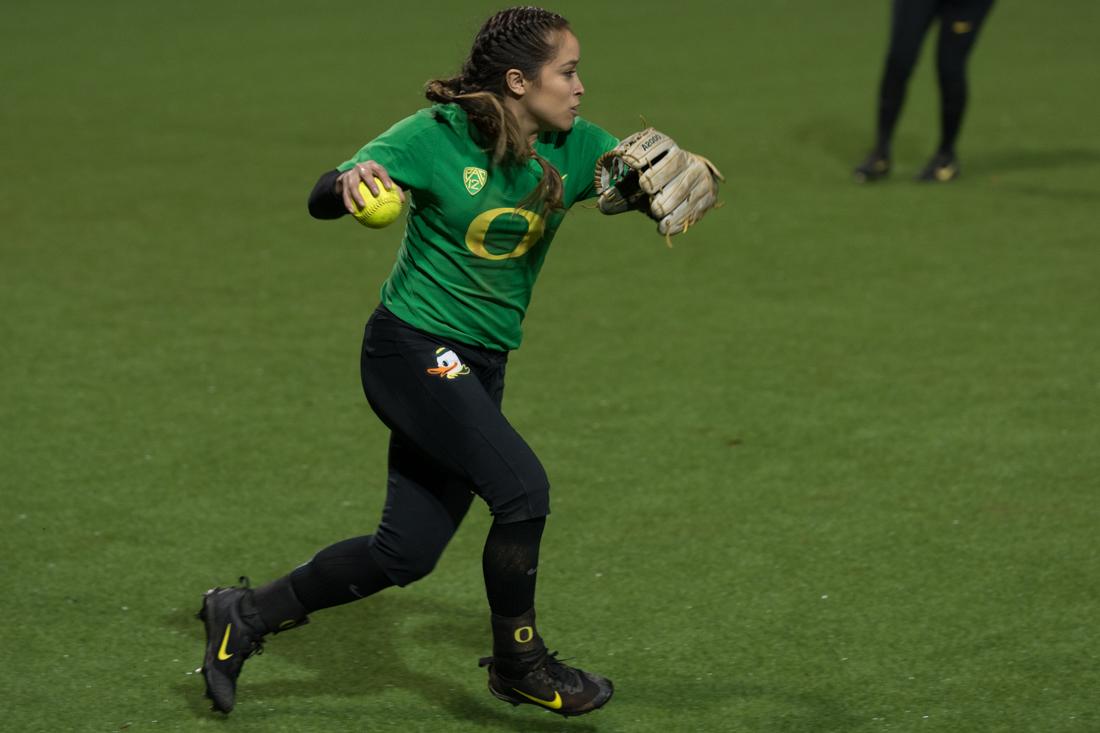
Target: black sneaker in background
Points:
(941, 169)
(875, 167)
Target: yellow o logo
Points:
(479, 228)
(524, 634)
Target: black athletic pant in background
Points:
(449, 442)
(960, 21)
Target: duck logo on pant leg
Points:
(449, 365)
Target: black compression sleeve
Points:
(324, 202)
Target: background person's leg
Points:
(960, 22)
(909, 21)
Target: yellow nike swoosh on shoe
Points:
(221, 652)
(554, 704)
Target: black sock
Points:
(340, 573)
(509, 563)
(517, 646)
(274, 606)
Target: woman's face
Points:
(552, 100)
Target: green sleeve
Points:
(404, 151)
(596, 142)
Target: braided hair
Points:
(518, 38)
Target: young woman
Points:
(960, 21)
(490, 170)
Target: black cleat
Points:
(231, 638)
(941, 169)
(875, 167)
(551, 685)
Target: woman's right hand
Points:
(347, 184)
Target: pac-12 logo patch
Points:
(449, 365)
(474, 179)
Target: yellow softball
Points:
(381, 210)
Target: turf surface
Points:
(829, 464)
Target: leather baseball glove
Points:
(649, 172)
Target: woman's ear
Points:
(513, 79)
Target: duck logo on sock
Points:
(448, 365)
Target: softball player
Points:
(490, 170)
(960, 21)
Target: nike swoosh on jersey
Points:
(225, 640)
(554, 704)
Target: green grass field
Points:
(828, 465)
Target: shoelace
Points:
(257, 647)
(556, 669)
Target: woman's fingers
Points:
(366, 172)
(388, 182)
(350, 185)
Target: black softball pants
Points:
(449, 442)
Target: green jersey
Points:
(470, 257)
